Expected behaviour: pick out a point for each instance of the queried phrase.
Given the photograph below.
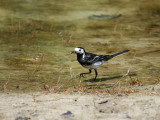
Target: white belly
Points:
(98, 64)
(95, 65)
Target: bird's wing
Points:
(93, 58)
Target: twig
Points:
(158, 81)
(127, 74)
(122, 77)
(6, 83)
(71, 72)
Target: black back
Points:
(90, 58)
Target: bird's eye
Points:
(79, 50)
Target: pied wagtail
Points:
(92, 61)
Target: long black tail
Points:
(107, 57)
(114, 55)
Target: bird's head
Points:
(79, 50)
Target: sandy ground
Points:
(53, 106)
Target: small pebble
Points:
(67, 115)
(103, 102)
(23, 118)
(127, 116)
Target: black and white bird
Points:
(92, 61)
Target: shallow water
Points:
(36, 38)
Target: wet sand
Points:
(81, 106)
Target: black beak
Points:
(73, 52)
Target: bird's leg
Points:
(81, 75)
(96, 73)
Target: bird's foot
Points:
(95, 78)
(81, 75)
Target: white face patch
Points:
(79, 50)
